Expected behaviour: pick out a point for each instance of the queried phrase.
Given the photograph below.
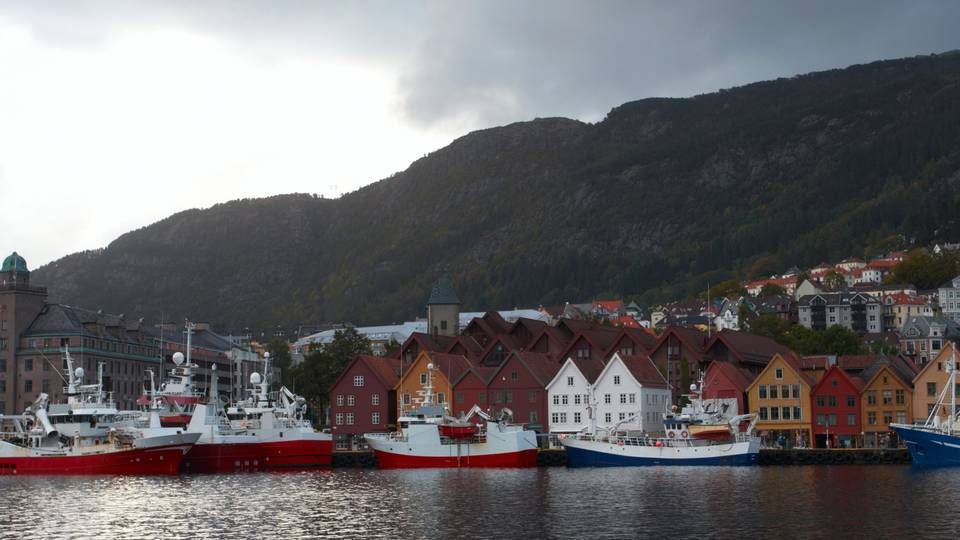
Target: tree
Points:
(772, 289)
(833, 280)
(321, 368)
(926, 270)
(279, 351)
(727, 289)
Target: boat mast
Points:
(428, 400)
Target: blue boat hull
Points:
(579, 457)
(930, 449)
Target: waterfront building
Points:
(887, 397)
(447, 368)
(569, 395)
(835, 409)
(363, 400)
(519, 383)
(922, 338)
(930, 382)
(471, 389)
(678, 354)
(747, 351)
(780, 396)
(949, 294)
(725, 386)
(858, 312)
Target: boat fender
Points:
(672, 434)
(684, 434)
(620, 442)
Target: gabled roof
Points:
(794, 363)
(903, 369)
(386, 370)
(532, 325)
(739, 377)
(691, 337)
(880, 367)
(429, 342)
(474, 350)
(557, 336)
(948, 351)
(837, 371)
(643, 370)
(748, 348)
(600, 341)
(542, 367)
(453, 366)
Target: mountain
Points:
(652, 202)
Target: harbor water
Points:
(768, 502)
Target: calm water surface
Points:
(766, 502)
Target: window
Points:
(533, 417)
(763, 413)
(832, 419)
(872, 418)
(608, 417)
(821, 419)
(623, 399)
(616, 379)
(563, 418)
(481, 397)
(349, 418)
(532, 396)
(28, 364)
(423, 379)
(902, 417)
(340, 400)
(900, 397)
(779, 373)
(3, 386)
(556, 399)
(576, 418)
(831, 401)
(565, 399)
(786, 413)
(508, 396)
(887, 417)
(45, 386)
(358, 380)
(821, 401)
(514, 376)
(3, 365)
(774, 413)
(576, 399)
(872, 397)
(554, 418)
(351, 400)
(633, 398)
(851, 401)
(607, 399)
(375, 418)
(785, 391)
(458, 397)
(406, 399)
(887, 397)
(796, 391)
(569, 381)
(796, 413)
(442, 399)
(851, 419)
(339, 420)
(763, 391)
(773, 391)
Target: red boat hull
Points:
(176, 420)
(247, 457)
(390, 460)
(159, 460)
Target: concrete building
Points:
(858, 312)
(950, 299)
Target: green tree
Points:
(320, 368)
(772, 289)
(833, 280)
(926, 270)
(279, 350)
(726, 289)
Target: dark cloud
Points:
(496, 62)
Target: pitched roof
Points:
(590, 368)
(795, 363)
(740, 377)
(442, 292)
(453, 366)
(691, 337)
(748, 348)
(542, 366)
(644, 371)
(474, 350)
(429, 342)
(837, 371)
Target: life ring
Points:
(620, 442)
(684, 434)
(672, 434)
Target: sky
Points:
(114, 115)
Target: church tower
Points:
(443, 309)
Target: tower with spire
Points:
(443, 309)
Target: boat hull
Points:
(581, 453)
(929, 448)
(258, 456)
(158, 460)
(398, 460)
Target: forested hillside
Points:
(652, 202)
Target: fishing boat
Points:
(177, 396)
(84, 436)
(936, 442)
(430, 438)
(695, 436)
(257, 434)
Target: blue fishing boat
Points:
(936, 442)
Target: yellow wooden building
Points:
(886, 398)
(780, 396)
(930, 382)
(446, 369)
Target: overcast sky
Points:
(114, 115)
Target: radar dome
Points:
(178, 358)
(430, 365)
(266, 355)
(693, 387)
(255, 378)
(78, 373)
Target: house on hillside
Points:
(858, 312)
(923, 338)
(949, 294)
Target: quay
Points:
(557, 457)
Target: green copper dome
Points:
(443, 293)
(14, 263)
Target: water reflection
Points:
(532, 503)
